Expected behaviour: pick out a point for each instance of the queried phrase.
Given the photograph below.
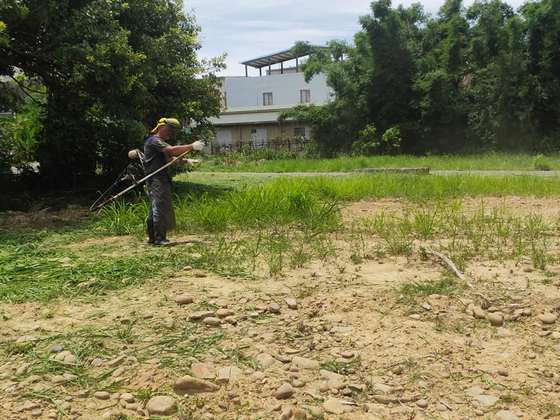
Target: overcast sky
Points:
(246, 29)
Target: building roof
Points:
(279, 57)
(250, 115)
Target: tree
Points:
(111, 68)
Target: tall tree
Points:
(111, 68)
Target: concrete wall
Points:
(285, 88)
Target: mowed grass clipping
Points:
(487, 161)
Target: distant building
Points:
(252, 105)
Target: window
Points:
(299, 132)
(304, 96)
(267, 98)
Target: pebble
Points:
(496, 319)
(213, 322)
(161, 406)
(292, 303)
(478, 312)
(197, 316)
(422, 403)
(384, 389)
(347, 354)
(102, 395)
(334, 406)
(503, 332)
(56, 348)
(426, 306)
(265, 360)
(37, 412)
(503, 372)
(224, 313)
(273, 308)
(486, 401)
(284, 392)
(548, 318)
(415, 317)
(506, 415)
(286, 414)
(127, 397)
(299, 414)
(116, 361)
(189, 385)
(184, 300)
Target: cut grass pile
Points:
(488, 161)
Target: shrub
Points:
(540, 163)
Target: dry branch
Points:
(448, 263)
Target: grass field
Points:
(489, 161)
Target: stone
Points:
(102, 395)
(415, 317)
(230, 320)
(474, 391)
(506, 415)
(292, 303)
(184, 300)
(426, 306)
(161, 406)
(548, 318)
(36, 412)
(503, 372)
(334, 380)
(334, 406)
(422, 403)
(478, 312)
(265, 360)
(303, 363)
(486, 401)
(273, 308)
(188, 385)
(382, 388)
(213, 322)
(284, 392)
(228, 374)
(203, 370)
(496, 319)
(127, 397)
(286, 414)
(224, 313)
(56, 348)
(197, 316)
(299, 414)
(348, 354)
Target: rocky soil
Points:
(333, 341)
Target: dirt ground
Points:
(333, 341)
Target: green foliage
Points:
(391, 141)
(540, 163)
(367, 143)
(482, 77)
(111, 69)
(19, 136)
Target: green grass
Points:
(487, 161)
(283, 223)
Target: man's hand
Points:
(198, 145)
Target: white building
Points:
(253, 104)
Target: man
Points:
(157, 152)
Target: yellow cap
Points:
(173, 122)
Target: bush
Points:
(540, 163)
(367, 143)
(391, 141)
(19, 137)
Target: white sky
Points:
(246, 29)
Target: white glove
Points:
(198, 145)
